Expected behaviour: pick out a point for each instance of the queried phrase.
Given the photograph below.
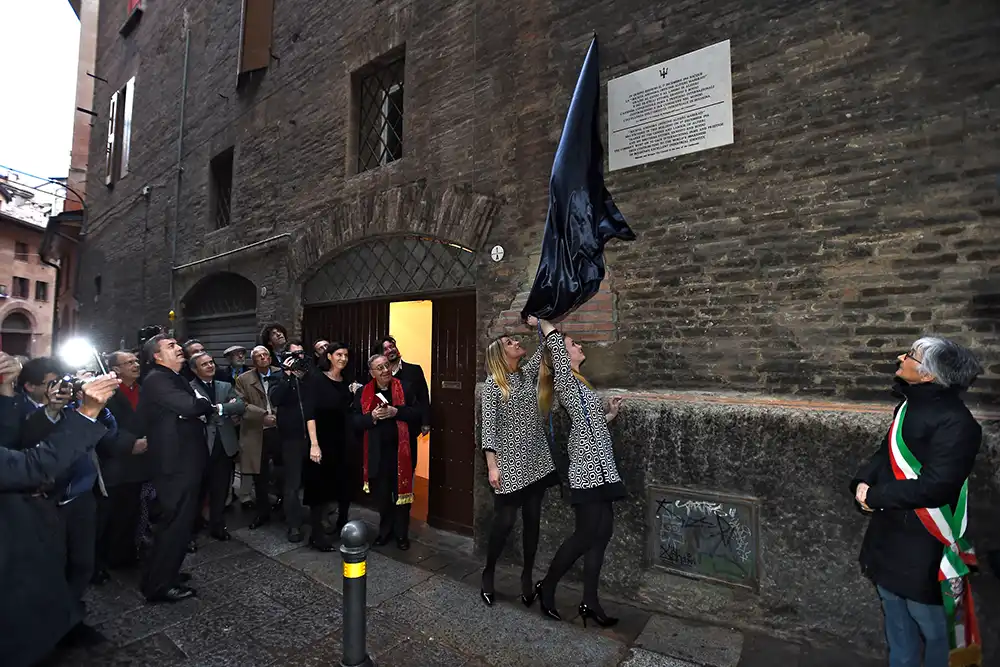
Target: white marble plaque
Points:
(680, 106)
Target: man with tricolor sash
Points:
(915, 487)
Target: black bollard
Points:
(354, 549)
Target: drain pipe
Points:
(180, 157)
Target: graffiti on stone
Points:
(702, 535)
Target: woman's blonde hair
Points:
(546, 381)
(496, 366)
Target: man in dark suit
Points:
(37, 607)
(221, 437)
(413, 379)
(125, 467)
(175, 417)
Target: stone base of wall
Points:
(796, 458)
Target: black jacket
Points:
(118, 464)
(415, 386)
(172, 415)
(898, 553)
(36, 607)
(289, 396)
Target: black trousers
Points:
(269, 454)
(294, 454)
(594, 527)
(178, 494)
(117, 521)
(504, 516)
(215, 484)
(80, 518)
(393, 519)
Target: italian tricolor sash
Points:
(948, 527)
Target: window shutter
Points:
(257, 23)
(109, 163)
(126, 138)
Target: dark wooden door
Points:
(359, 324)
(453, 419)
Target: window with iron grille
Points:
(41, 291)
(222, 187)
(21, 253)
(21, 287)
(380, 114)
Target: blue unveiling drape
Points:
(582, 216)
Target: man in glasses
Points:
(915, 490)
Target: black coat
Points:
(172, 415)
(36, 607)
(415, 386)
(290, 396)
(118, 464)
(898, 553)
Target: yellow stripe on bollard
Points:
(355, 570)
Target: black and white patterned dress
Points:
(593, 475)
(515, 432)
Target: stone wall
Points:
(797, 459)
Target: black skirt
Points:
(604, 493)
(517, 498)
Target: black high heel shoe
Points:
(486, 597)
(528, 599)
(599, 617)
(483, 595)
(546, 611)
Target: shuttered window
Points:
(110, 163)
(256, 26)
(126, 136)
(119, 147)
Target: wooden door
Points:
(453, 413)
(358, 324)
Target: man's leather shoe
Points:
(260, 521)
(403, 543)
(382, 540)
(221, 535)
(175, 594)
(295, 535)
(192, 547)
(100, 578)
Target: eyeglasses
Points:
(383, 367)
(909, 355)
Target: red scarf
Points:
(404, 467)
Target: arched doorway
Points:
(421, 291)
(15, 334)
(221, 310)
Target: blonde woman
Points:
(593, 477)
(517, 455)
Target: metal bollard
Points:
(354, 549)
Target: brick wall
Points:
(39, 313)
(856, 209)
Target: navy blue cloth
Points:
(582, 216)
(83, 473)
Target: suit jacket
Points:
(37, 607)
(414, 382)
(173, 418)
(118, 464)
(232, 404)
(250, 389)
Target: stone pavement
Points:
(264, 601)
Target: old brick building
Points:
(311, 162)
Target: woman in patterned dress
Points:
(593, 477)
(517, 455)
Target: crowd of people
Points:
(124, 469)
(164, 443)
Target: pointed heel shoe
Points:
(486, 597)
(598, 617)
(546, 611)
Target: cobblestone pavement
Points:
(263, 601)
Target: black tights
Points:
(595, 522)
(504, 517)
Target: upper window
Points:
(119, 146)
(132, 15)
(21, 253)
(222, 187)
(255, 33)
(21, 287)
(380, 114)
(41, 291)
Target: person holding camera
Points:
(289, 396)
(38, 609)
